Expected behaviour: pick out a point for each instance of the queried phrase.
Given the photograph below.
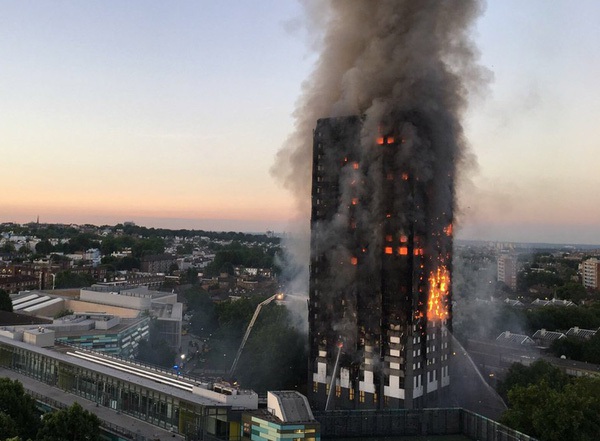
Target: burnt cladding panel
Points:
(335, 144)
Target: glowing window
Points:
(403, 238)
(355, 166)
(380, 141)
(354, 260)
(388, 250)
(354, 201)
(390, 139)
(388, 238)
(403, 251)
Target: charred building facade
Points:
(381, 240)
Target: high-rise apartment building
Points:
(590, 273)
(381, 240)
(507, 270)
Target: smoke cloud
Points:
(407, 67)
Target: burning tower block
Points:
(381, 241)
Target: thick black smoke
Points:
(407, 67)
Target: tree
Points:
(568, 414)
(5, 302)
(519, 375)
(8, 427)
(155, 349)
(44, 247)
(8, 247)
(204, 318)
(275, 354)
(73, 424)
(572, 291)
(17, 410)
(68, 279)
(143, 247)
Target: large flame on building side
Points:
(439, 287)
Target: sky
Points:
(169, 114)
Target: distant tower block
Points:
(380, 268)
(507, 270)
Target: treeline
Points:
(49, 231)
(235, 254)
(212, 235)
(20, 419)
(275, 355)
(482, 320)
(108, 245)
(547, 404)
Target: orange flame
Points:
(448, 230)
(439, 286)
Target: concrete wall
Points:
(38, 338)
(115, 299)
(81, 306)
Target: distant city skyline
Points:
(170, 115)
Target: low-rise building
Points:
(288, 416)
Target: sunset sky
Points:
(170, 114)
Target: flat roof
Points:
(154, 385)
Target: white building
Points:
(590, 273)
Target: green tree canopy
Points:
(73, 424)
(5, 302)
(155, 349)
(275, 355)
(17, 410)
(68, 279)
(572, 291)
(568, 414)
(44, 247)
(522, 376)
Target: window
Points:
(351, 394)
(338, 391)
(315, 384)
(362, 396)
(247, 429)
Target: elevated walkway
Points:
(112, 421)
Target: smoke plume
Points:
(406, 67)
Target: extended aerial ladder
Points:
(278, 296)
